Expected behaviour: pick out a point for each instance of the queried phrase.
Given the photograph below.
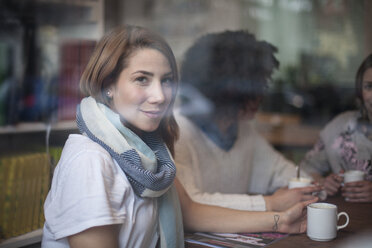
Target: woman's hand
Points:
(294, 219)
(332, 184)
(285, 198)
(360, 191)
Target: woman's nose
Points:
(156, 93)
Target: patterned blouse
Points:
(345, 143)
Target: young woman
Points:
(114, 184)
(346, 144)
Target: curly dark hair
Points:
(230, 68)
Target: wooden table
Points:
(360, 215)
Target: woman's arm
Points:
(206, 218)
(96, 237)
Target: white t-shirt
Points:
(90, 189)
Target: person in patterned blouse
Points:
(346, 144)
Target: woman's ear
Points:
(109, 92)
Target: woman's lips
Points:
(153, 114)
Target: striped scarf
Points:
(146, 162)
(150, 175)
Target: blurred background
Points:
(45, 45)
(320, 42)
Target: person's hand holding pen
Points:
(332, 183)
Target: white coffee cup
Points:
(299, 182)
(322, 221)
(353, 176)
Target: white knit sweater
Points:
(214, 176)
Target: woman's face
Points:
(367, 92)
(144, 89)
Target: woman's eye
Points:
(142, 80)
(367, 86)
(167, 81)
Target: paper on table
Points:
(233, 240)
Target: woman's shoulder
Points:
(80, 147)
(80, 142)
(344, 121)
(81, 154)
(347, 115)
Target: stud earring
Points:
(108, 93)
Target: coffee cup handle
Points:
(347, 220)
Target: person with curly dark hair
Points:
(220, 157)
(345, 143)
